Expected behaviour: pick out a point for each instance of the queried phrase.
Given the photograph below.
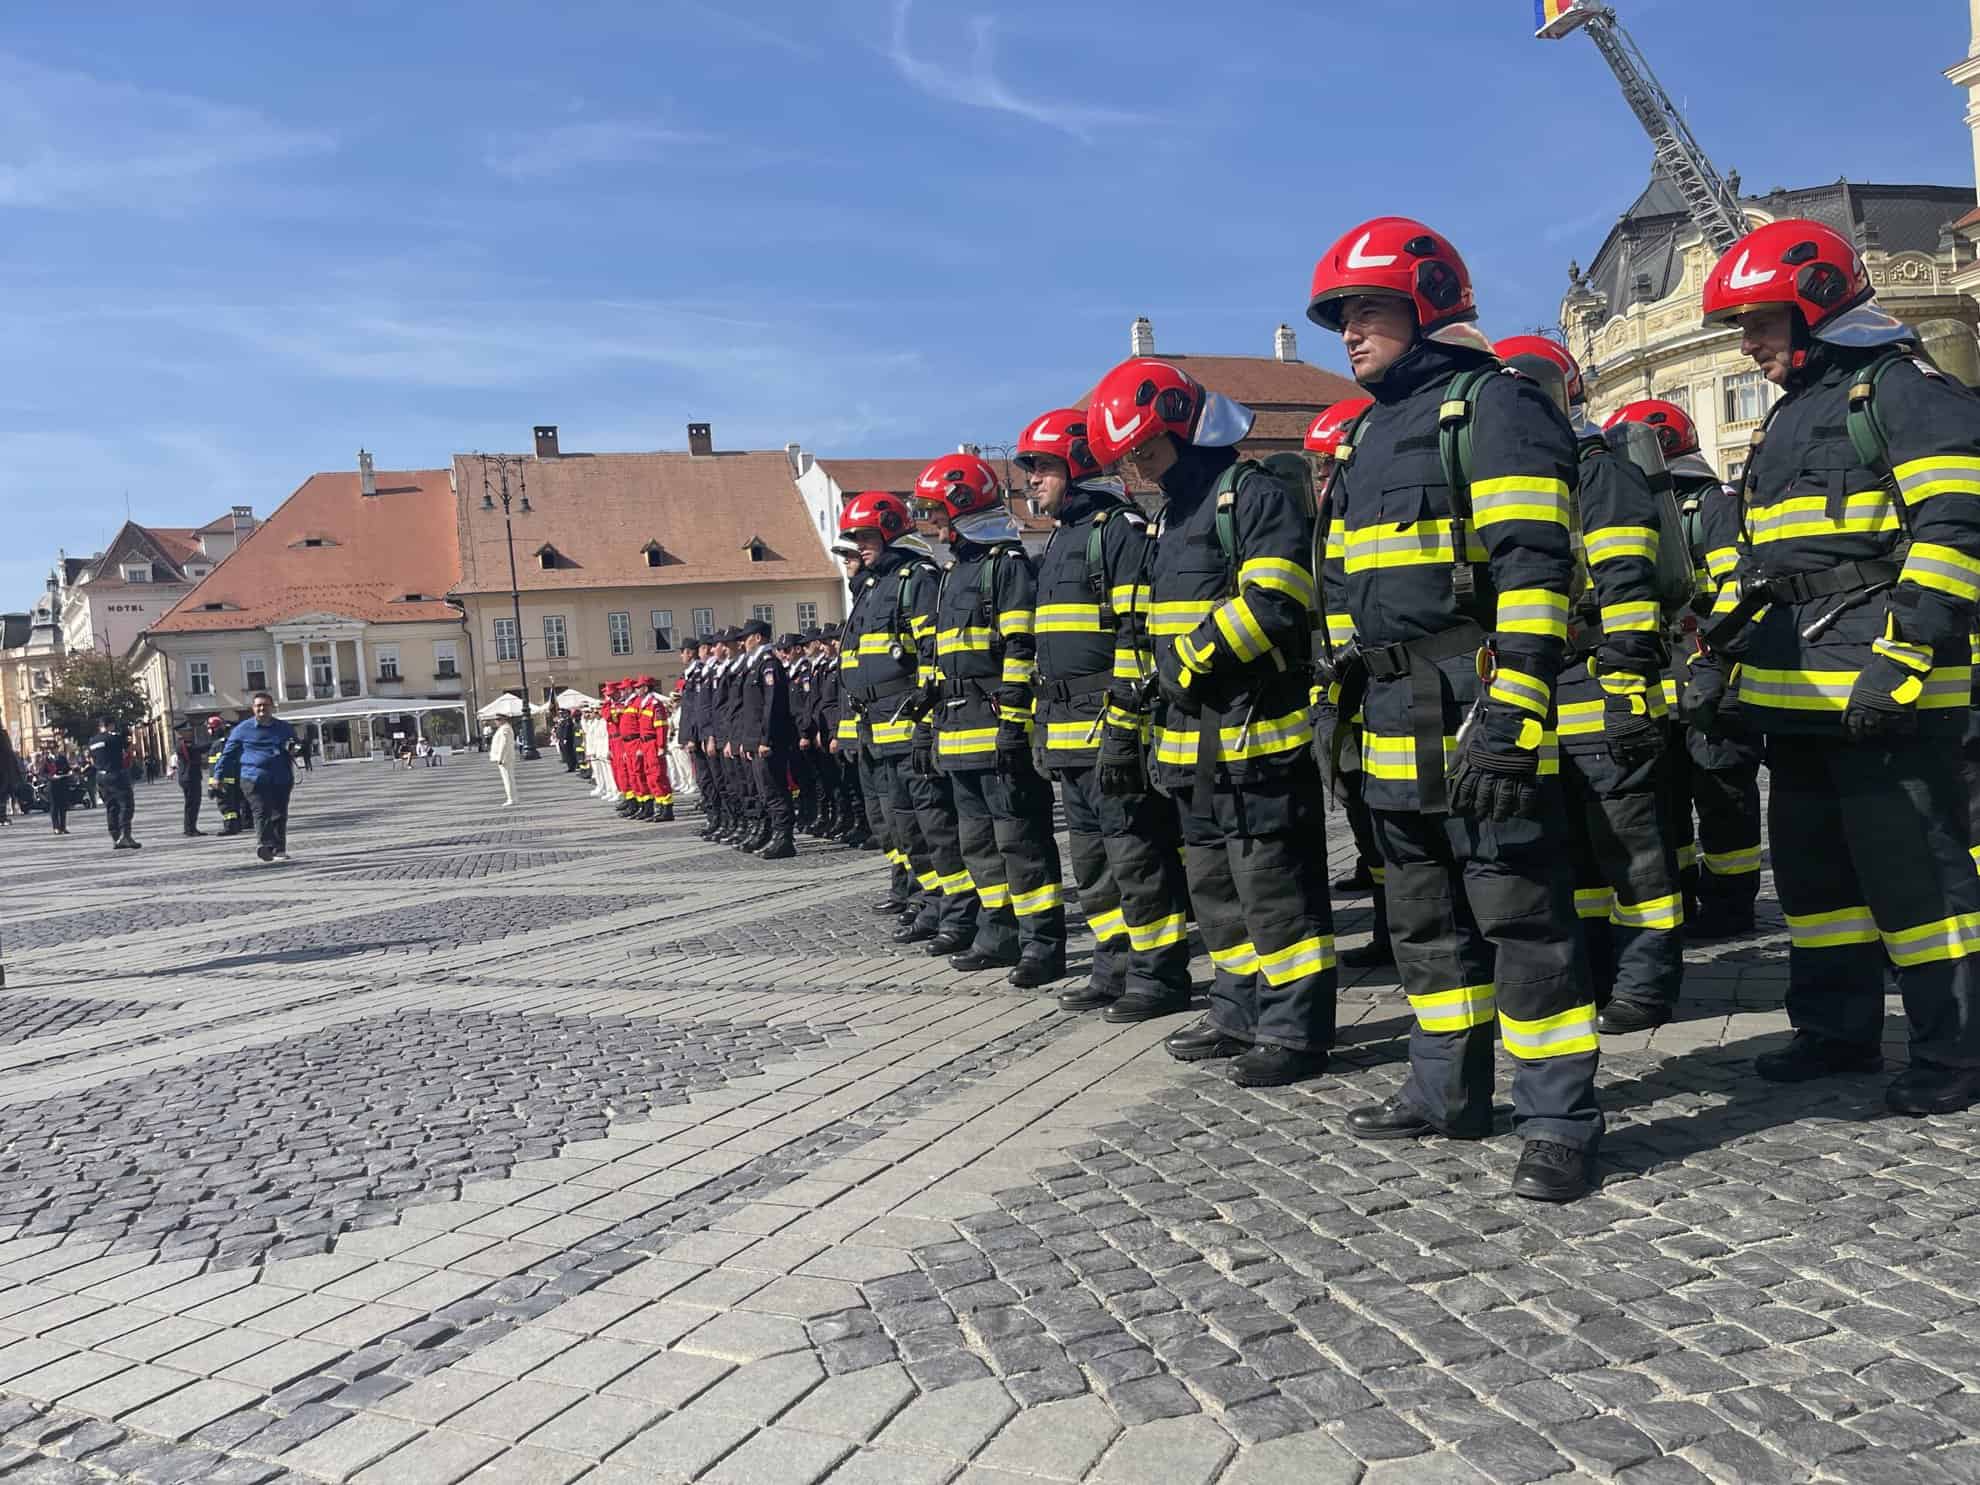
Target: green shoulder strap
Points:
(1454, 419)
(1096, 564)
(1225, 495)
(1866, 429)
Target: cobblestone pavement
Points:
(530, 1146)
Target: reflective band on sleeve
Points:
(1944, 569)
(1310, 956)
(1742, 862)
(1657, 913)
(1016, 621)
(1612, 543)
(1128, 597)
(1832, 930)
(1280, 576)
(1538, 611)
(1038, 900)
(1564, 1035)
(1720, 562)
(1104, 925)
(1455, 1010)
(1915, 658)
(1019, 672)
(1240, 630)
(1939, 474)
(1629, 618)
(1159, 934)
(1340, 628)
(1519, 497)
(1518, 689)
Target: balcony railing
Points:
(388, 680)
(294, 692)
(322, 691)
(349, 688)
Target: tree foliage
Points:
(93, 686)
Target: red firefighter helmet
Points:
(1143, 397)
(1794, 262)
(1324, 437)
(962, 484)
(1061, 434)
(1514, 347)
(1399, 256)
(1672, 424)
(216, 720)
(875, 510)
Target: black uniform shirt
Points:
(107, 751)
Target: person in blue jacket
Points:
(259, 751)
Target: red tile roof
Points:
(1261, 382)
(377, 548)
(599, 511)
(180, 543)
(895, 475)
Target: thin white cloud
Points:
(535, 154)
(977, 85)
(70, 141)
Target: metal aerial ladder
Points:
(1713, 206)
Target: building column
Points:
(364, 684)
(336, 690)
(281, 671)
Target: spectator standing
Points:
(187, 757)
(55, 774)
(502, 753)
(260, 751)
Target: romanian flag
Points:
(1555, 18)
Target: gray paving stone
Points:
(856, 1405)
(1177, 1451)
(782, 1454)
(890, 1467)
(681, 1446)
(1059, 1441)
(1311, 1459)
(955, 1422)
(762, 1390)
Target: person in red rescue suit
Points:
(1716, 774)
(639, 745)
(983, 657)
(1125, 844)
(1231, 604)
(1460, 607)
(1613, 716)
(659, 716)
(1846, 635)
(1338, 751)
(617, 729)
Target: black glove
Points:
(926, 698)
(1884, 700)
(1494, 782)
(1634, 736)
(921, 760)
(1174, 678)
(1122, 766)
(1014, 752)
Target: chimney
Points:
(701, 440)
(244, 521)
(1285, 345)
(800, 460)
(970, 448)
(546, 440)
(367, 479)
(1141, 340)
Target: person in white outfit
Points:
(598, 751)
(502, 753)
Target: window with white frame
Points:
(388, 662)
(1677, 397)
(555, 644)
(508, 645)
(704, 622)
(254, 673)
(446, 659)
(199, 677)
(765, 612)
(322, 667)
(1745, 397)
(137, 572)
(663, 628)
(619, 628)
(807, 615)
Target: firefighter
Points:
(1612, 712)
(842, 753)
(1717, 774)
(1231, 604)
(766, 737)
(1458, 586)
(659, 721)
(1091, 640)
(226, 790)
(984, 655)
(620, 725)
(1338, 753)
(1848, 628)
(881, 684)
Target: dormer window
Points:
(547, 557)
(758, 549)
(312, 541)
(656, 555)
(137, 572)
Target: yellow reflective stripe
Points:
(1727, 600)
(994, 896)
(1068, 618)
(1914, 658)
(875, 644)
(1238, 959)
(1828, 690)
(1720, 562)
(1280, 576)
(929, 880)
(1657, 912)
(957, 883)
(1670, 691)
(1394, 758)
(1015, 621)
(965, 740)
(1633, 617)
(1944, 569)
(1687, 855)
(1832, 930)
(1519, 497)
(1420, 544)
(928, 673)
(1739, 863)
(1937, 474)
(1261, 738)
(1072, 735)
(1128, 597)
(1455, 1010)
(1621, 682)
(1107, 924)
(920, 627)
(1380, 874)
(849, 658)
(1612, 543)
(1240, 628)
(1593, 902)
(1948, 938)
(1340, 628)
(1336, 543)
(896, 857)
(1019, 672)
(1517, 688)
(1197, 659)
(1159, 934)
(965, 640)
(885, 734)
(1563, 1035)
(1310, 956)
(1539, 611)
(848, 729)
(1131, 665)
(1038, 900)
(1178, 615)
(1018, 715)
(1808, 515)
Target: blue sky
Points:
(239, 246)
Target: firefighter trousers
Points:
(1872, 864)
(1481, 914)
(1005, 830)
(1256, 860)
(948, 895)
(1627, 898)
(1349, 795)
(1718, 779)
(876, 787)
(771, 774)
(1128, 869)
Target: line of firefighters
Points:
(1523, 650)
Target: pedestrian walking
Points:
(13, 778)
(502, 753)
(109, 750)
(259, 752)
(55, 776)
(186, 760)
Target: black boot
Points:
(1275, 1067)
(1808, 1057)
(1031, 973)
(1397, 1120)
(1548, 1171)
(1620, 1017)
(969, 961)
(781, 848)
(1931, 1088)
(1147, 1006)
(1089, 997)
(664, 815)
(1200, 1042)
(127, 843)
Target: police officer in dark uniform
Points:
(109, 749)
(767, 738)
(1231, 605)
(1460, 607)
(1850, 621)
(796, 659)
(192, 778)
(1091, 630)
(738, 773)
(838, 732)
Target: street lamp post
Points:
(502, 463)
